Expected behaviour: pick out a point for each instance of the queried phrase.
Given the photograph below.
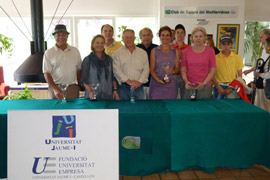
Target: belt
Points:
(125, 84)
(68, 84)
(224, 84)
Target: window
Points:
(136, 23)
(252, 45)
(81, 31)
(21, 49)
(87, 28)
(48, 33)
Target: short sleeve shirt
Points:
(198, 64)
(62, 65)
(227, 67)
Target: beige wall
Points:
(211, 27)
(87, 7)
(257, 10)
(248, 10)
(254, 9)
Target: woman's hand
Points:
(91, 95)
(169, 70)
(161, 82)
(189, 85)
(199, 85)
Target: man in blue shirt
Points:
(146, 37)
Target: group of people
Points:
(166, 71)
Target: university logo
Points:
(64, 126)
(168, 11)
(41, 164)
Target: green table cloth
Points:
(175, 134)
(144, 119)
(225, 133)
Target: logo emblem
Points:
(64, 126)
(131, 142)
(167, 11)
(45, 164)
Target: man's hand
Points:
(58, 94)
(256, 74)
(228, 91)
(248, 71)
(133, 83)
(220, 90)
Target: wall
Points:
(257, 10)
(211, 27)
(248, 10)
(86, 7)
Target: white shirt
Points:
(62, 65)
(130, 66)
(264, 55)
(266, 74)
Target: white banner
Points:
(201, 12)
(63, 144)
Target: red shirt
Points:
(180, 49)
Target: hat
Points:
(226, 38)
(60, 28)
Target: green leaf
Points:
(6, 44)
(25, 95)
(251, 39)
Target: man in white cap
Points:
(62, 66)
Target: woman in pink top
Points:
(198, 65)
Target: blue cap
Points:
(226, 38)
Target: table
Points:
(175, 134)
(218, 133)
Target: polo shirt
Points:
(227, 67)
(62, 65)
(112, 48)
(180, 49)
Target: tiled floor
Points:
(255, 172)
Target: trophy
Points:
(193, 92)
(166, 67)
(94, 88)
(193, 95)
(63, 88)
(132, 97)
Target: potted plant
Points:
(252, 43)
(18, 96)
